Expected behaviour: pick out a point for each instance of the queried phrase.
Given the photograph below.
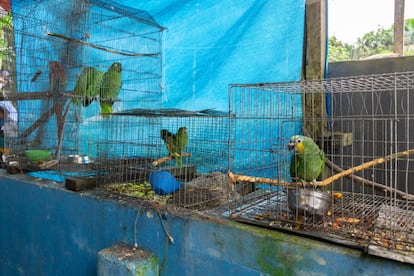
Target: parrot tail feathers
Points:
(106, 109)
(179, 162)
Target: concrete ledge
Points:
(123, 259)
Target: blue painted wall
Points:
(47, 230)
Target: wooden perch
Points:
(22, 96)
(48, 164)
(345, 139)
(342, 173)
(45, 115)
(28, 96)
(364, 166)
(82, 42)
(246, 178)
(373, 184)
(43, 118)
(167, 158)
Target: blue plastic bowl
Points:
(163, 182)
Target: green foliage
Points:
(375, 42)
(409, 37)
(337, 50)
(6, 39)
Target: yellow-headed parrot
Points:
(308, 160)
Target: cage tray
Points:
(381, 225)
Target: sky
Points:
(351, 19)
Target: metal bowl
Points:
(79, 159)
(309, 202)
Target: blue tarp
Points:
(211, 44)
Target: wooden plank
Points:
(80, 183)
(21, 96)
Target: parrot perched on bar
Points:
(175, 143)
(308, 160)
(88, 85)
(110, 87)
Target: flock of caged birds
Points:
(93, 83)
(307, 163)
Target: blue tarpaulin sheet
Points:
(210, 44)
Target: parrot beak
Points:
(291, 146)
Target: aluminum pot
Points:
(79, 159)
(309, 202)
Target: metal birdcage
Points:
(118, 151)
(368, 139)
(136, 153)
(72, 36)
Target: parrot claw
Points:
(303, 182)
(315, 184)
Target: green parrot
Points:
(88, 85)
(308, 160)
(110, 87)
(175, 143)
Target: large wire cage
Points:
(121, 151)
(55, 42)
(364, 197)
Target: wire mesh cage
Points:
(364, 197)
(64, 50)
(141, 147)
(77, 63)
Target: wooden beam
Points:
(399, 27)
(314, 102)
(23, 96)
(315, 39)
(80, 183)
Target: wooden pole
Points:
(314, 102)
(399, 26)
